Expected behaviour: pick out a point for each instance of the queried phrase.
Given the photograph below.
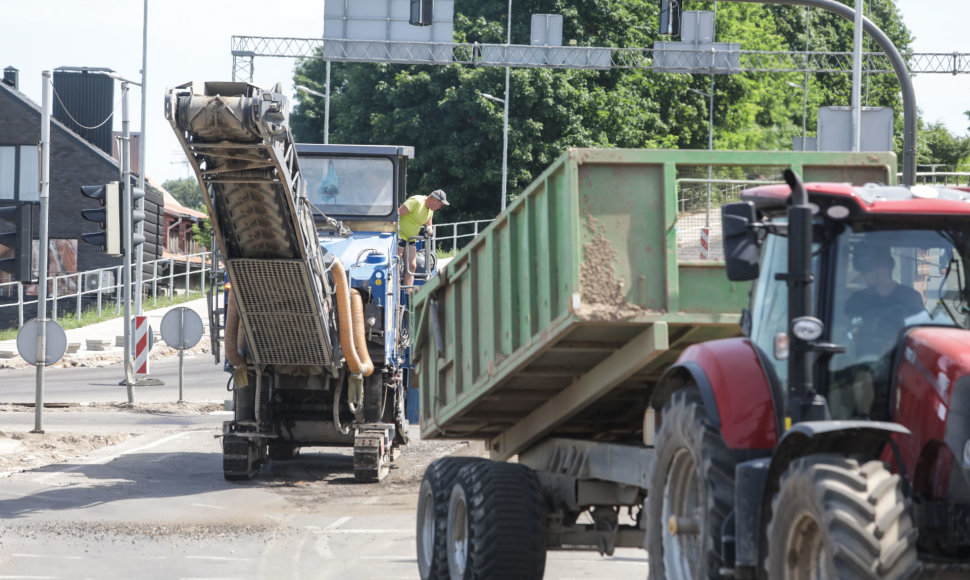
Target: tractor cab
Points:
(881, 263)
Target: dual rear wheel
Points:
(480, 519)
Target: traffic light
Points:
(18, 240)
(421, 12)
(108, 217)
(670, 11)
(137, 217)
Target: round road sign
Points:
(181, 327)
(27, 342)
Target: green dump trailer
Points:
(546, 337)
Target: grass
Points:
(108, 312)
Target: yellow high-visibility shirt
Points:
(418, 214)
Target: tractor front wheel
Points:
(835, 518)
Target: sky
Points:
(190, 40)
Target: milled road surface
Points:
(155, 505)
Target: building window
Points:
(19, 173)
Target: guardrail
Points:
(104, 287)
(453, 236)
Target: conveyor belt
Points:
(236, 137)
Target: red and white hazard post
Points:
(141, 346)
(704, 253)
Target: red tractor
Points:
(832, 440)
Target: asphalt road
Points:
(203, 380)
(156, 505)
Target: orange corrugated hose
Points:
(232, 332)
(360, 333)
(345, 324)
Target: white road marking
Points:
(336, 523)
(219, 558)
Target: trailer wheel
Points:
(432, 521)
(834, 518)
(691, 493)
(496, 523)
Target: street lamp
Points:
(505, 138)
(326, 107)
(710, 143)
(804, 89)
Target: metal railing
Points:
(72, 293)
(455, 235)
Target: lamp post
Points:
(505, 139)
(710, 143)
(505, 103)
(326, 114)
(804, 89)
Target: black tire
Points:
(432, 522)
(496, 523)
(693, 479)
(835, 518)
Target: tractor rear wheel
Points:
(835, 518)
(691, 492)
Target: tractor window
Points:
(886, 281)
(770, 304)
(350, 186)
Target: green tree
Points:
(937, 146)
(457, 134)
(187, 192)
(202, 233)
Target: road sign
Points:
(27, 342)
(181, 327)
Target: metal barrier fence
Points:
(69, 292)
(699, 199)
(454, 236)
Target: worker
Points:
(876, 313)
(416, 213)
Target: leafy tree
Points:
(938, 146)
(457, 133)
(202, 233)
(187, 192)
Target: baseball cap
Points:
(440, 195)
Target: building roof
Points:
(172, 205)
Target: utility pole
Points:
(505, 132)
(857, 78)
(126, 221)
(140, 204)
(45, 188)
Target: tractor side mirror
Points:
(741, 247)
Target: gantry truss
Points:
(246, 48)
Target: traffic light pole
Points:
(45, 142)
(126, 235)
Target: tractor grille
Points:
(283, 322)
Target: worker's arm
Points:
(403, 210)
